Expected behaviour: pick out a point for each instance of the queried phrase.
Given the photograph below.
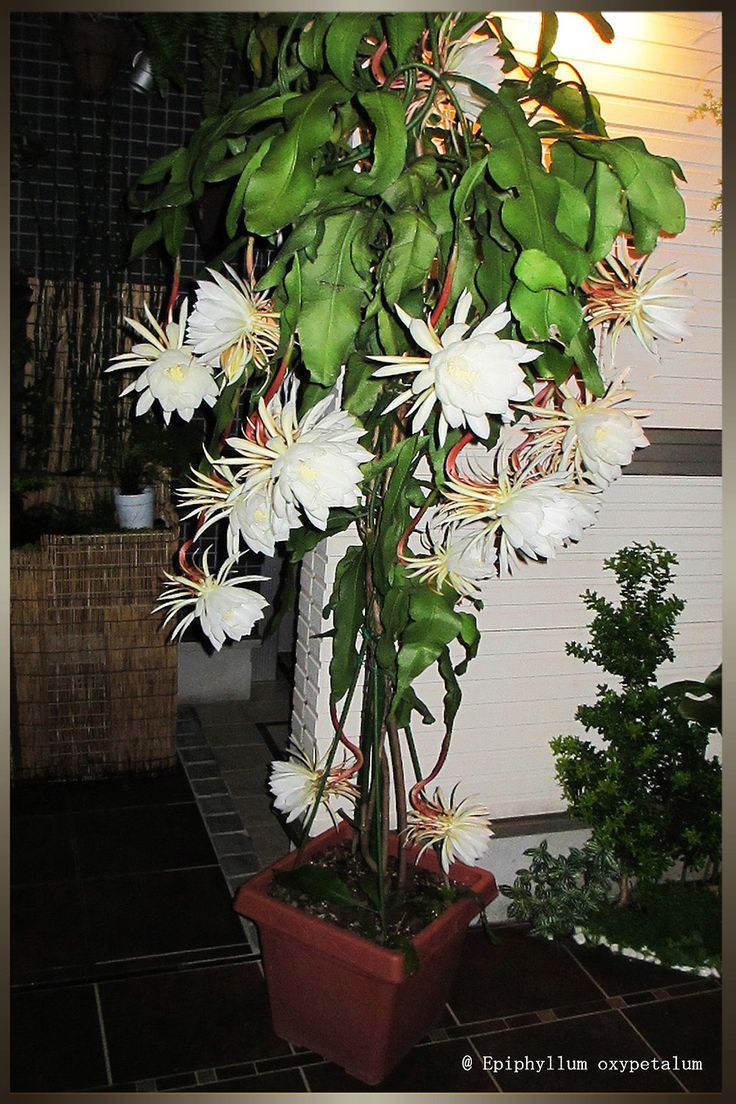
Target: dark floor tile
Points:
(41, 848)
(38, 797)
(160, 913)
(284, 1081)
(436, 1067)
(48, 934)
(56, 1043)
(564, 1011)
(519, 974)
(123, 841)
(461, 1031)
(198, 1019)
(617, 974)
(584, 1043)
(130, 789)
(689, 1027)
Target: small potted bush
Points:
(416, 366)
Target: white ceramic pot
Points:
(134, 511)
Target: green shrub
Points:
(650, 794)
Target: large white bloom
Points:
(454, 556)
(172, 375)
(470, 376)
(594, 438)
(528, 514)
(308, 466)
(223, 607)
(463, 830)
(231, 325)
(477, 59)
(296, 781)
(249, 510)
(618, 297)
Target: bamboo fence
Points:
(94, 677)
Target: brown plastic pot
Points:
(342, 996)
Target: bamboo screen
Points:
(95, 678)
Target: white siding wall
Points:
(522, 689)
(648, 81)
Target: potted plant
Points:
(418, 365)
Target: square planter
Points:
(343, 996)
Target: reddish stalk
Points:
(174, 290)
(446, 288)
(415, 799)
(341, 775)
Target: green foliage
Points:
(678, 923)
(555, 893)
(367, 202)
(648, 791)
(700, 701)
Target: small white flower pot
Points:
(134, 511)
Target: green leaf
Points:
(535, 269)
(580, 348)
(553, 364)
(235, 207)
(545, 315)
(240, 121)
(573, 214)
(403, 31)
(303, 235)
(408, 260)
(547, 36)
(348, 597)
(333, 291)
(360, 390)
(156, 172)
(465, 186)
(293, 293)
(146, 237)
(433, 625)
(276, 195)
(386, 112)
(311, 41)
(320, 883)
(453, 693)
(229, 166)
(514, 162)
(175, 221)
(493, 277)
(607, 202)
(173, 195)
(341, 44)
(410, 189)
(654, 203)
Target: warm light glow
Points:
(578, 42)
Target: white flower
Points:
(619, 297)
(252, 516)
(231, 325)
(310, 465)
(539, 518)
(476, 59)
(295, 782)
(592, 437)
(172, 375)
(454, 557)
(463, 830)
(223, 608)
(249, 511)
(470, 376)
(529, 514)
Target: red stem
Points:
(446, 288)
(415, 799)
(453, 454)
(341, 775)
(174, 290)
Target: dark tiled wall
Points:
(68, 200)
